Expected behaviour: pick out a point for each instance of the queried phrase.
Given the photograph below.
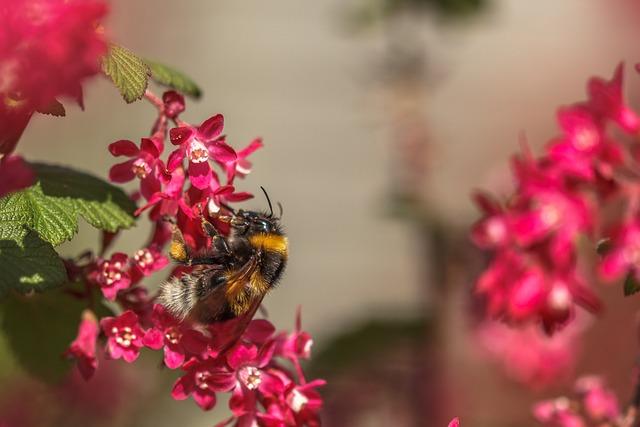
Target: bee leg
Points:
(218, 241)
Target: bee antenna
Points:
(268, 201)
(280, 210)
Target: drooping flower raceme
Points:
(535, 274)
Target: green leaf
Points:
(631, 285)
(55, 108)
(172, 78)
(52, 205)
(27, 262)
(127, 71)
(39, 328)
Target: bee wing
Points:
(223, 293)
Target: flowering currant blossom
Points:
(179, 341)
(83, 348)
(198, 145)
(144, 164)
(528, 355)
(536, 274)
(124, 336)
(593, 405)
(112, 275)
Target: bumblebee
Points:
(233, 275)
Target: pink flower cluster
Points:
(528, 355)
(245, 358)
(215, 360)
(163, 185)
(559, 200)
(47, 49)
(594, 405)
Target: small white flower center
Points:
(201, 379)
(140, 168)
(125, 336)
(496, 230)
(559, 298)
(549, 214)
(172, 335)
(144, 258)
(198, 152)
(250, 377)
(296, 400)
(585, 139)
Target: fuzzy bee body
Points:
(232, 277)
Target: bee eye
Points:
(262, 225)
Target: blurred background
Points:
(379, 118)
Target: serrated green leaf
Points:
(38, 330)
(631, 285)
(52, 205)
(172, 78)
(27, 262)
(127, 71)
(55, 108)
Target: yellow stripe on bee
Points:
(270, 242)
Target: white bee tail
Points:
(178, 295)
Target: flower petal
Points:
(211, 128)
(175, 159)
(124, 147)
(122, 172)
(200, 174)
(181, 135)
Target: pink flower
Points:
(144, 164)
(178, 340)
(528, 355)
(297, 344)
(147, 261)
(173, 104)
(198, 145)
(49, 47)
(203, 378)
(83, 348)
(112, 275)
(492, 230)
(124, 336)
(606, 100)
(241, 166)
(623, 254)
(170, 200)
(557, 413)
(454, 422)
(600, 403)
(15, 175)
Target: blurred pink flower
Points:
(83, 348)
(530, 356)
(47, 49)
(15, 175)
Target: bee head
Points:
(254, 222)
